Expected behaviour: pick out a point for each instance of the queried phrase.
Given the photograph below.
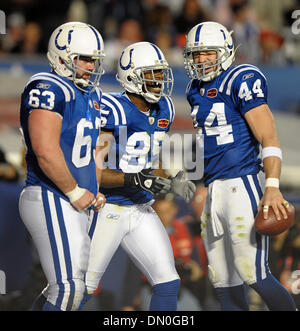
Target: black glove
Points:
(182, 187)
(148, 182)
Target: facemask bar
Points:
(96, 74)
(166, 84)
(197, 70)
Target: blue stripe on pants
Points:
(53, 246)
(66, 249)
(258, 237)
(93, 225)
(266, 239)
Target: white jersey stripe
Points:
(57, 78)
(171, 109)
(187, 90)
(63, 82)
(104, 111)
(237, 73)
(118, 108)
(111, 106)
(99, 92)
(63, 87)
(230, 72)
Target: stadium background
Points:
(269, 34)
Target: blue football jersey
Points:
(80, 114)
(137, 141)
(218, 109)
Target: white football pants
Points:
(141, 234)
(236, 252)
(60, 234)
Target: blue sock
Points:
(233, 298)
(38, 303)
(274, 294)
(50, 307)
(164, 296)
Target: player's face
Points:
(158, 75)
(201, 57)
(84, 64)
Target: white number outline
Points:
(141, 153)
(81, 140)
(34, 100)
(223, 131)
(244, 91)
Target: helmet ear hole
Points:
(129, 78)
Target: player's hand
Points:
(148, 182)
(181, 186)
(85, 201)
(273, 198)
(100, 202)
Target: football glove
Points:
(145, 180)
(181, 186)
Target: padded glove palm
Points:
(181, 186)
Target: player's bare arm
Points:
(160, 171)
(262, 124)
(100, 198)
(44, 130)
(108, 177)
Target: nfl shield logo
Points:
(151, 120)
(202, 90)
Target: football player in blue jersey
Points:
(231, 113)
(135, 123)
(60, 120)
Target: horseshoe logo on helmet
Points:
(229, 46)
(69, 40)
(129, 64)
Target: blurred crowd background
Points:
(262, 27)
(269, 36)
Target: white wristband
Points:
(75, 194)
(272, 182)
(271, 151)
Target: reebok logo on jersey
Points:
(44, 86)
(212, 93)
(163, 123)
(248, 76)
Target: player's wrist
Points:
(271, 151)
(130, 179)
(272, 182)
(76, 193)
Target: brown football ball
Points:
(271, 226)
